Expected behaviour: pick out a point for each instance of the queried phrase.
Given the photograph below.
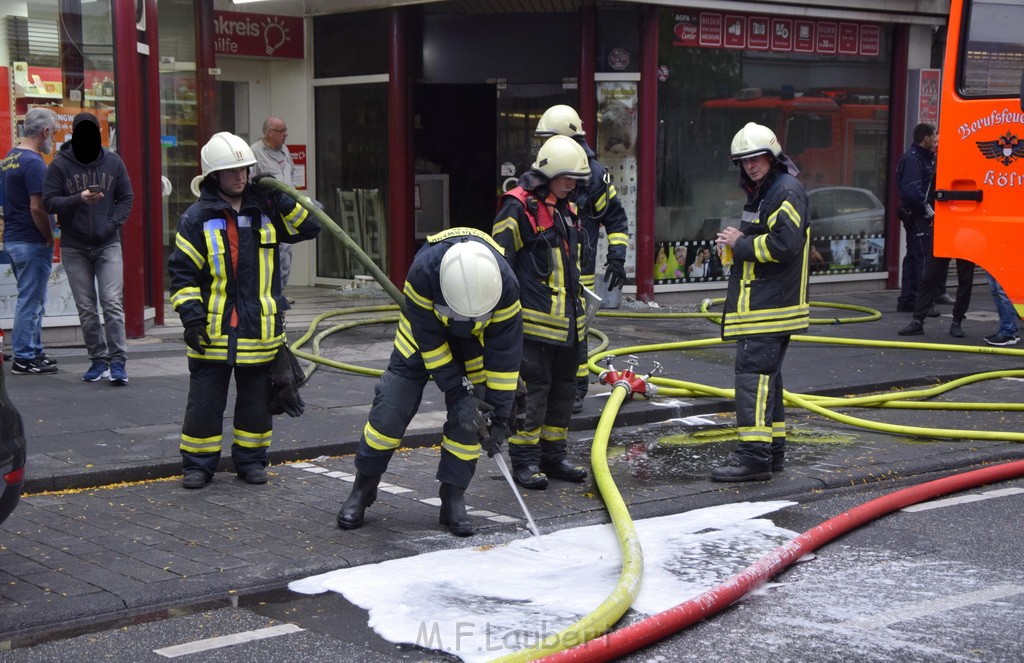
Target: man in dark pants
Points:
(931, 288)
(599, 206)
(536, 225)
(766, 300)
(914, 174)
(462, 323)
(226, 287)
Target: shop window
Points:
(618, 39)
(350, 44)
(829, 110)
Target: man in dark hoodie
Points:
(88, 189)
(766, 301)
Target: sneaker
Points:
(999, 339)
(956, 331)
(97, 371)
(914, 328)
(49, 361)
(944, 298)
(932, 312)
(33, 366)
(118, 375)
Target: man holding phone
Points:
(90, 221)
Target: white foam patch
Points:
(480, 603)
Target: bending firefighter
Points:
(226, 286)
(598, 205)
(536, 225)
(766, 300)
(462, 327)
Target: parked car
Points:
(835, 211)
(12, 451)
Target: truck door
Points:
(979, 189)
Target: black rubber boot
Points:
(563, 470)
(736, 470)
(529, 476)
(364, 492)
(453, 510)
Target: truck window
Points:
(993, 53)
(808, 131)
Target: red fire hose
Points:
(673, 620)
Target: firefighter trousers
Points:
(550, 375)
(202, 430)
(760, 409)
(396, 399)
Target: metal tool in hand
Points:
(503, 466)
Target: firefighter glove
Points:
(472, 414)
(285, 377)
(194, 331)
(493, 441)
(615, 274)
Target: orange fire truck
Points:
(836, 137)
(979, 189)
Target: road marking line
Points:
(963, 499)
(928, 608)
(227, 640)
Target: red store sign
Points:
(778, 35)
(258, 35)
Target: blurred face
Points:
(232, 181)
(757, 167)
(562, 186)
(275, 134)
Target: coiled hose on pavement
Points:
(563, 646)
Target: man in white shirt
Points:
(273, 158)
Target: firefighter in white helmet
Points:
(463, 328)
(599, 207)
(537, 226)
(225, 285)
(766, 300)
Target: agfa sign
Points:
(258, 35)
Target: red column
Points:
(206, 59)
(400, 152)
(585, 86)
(646, 152)
(154, 191)
(131, 142)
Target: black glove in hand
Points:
(472, 413)
(194, 331)
(615, 274)
(285, 377)
(493, 441)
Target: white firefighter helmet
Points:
(223, 151)
(561, 155)
(754, 139)
(560, 120)
(470, 279)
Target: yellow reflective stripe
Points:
(475, 365)
(761, 252)
(268, 233)
(419, 300)
(186, 294)
(582, 370)
(186, 247)
(250, 440)
(540, 331)
(437, 357)
(525, 438)
(618, 239)
(219, 266)
(761, 401)
(507, 313)
(778, 429)
(555, 281)
(553, 433)
(296, 216)
(754, 434)
(511, 224)
(502, 380)
(378, 440)
(465, 232)
(459, 450)
(200, 445)
(587, 280)
(600, 202)
(268, 305)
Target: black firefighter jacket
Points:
(767, 293)
(204, 286)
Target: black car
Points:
(12, 452)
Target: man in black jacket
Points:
(766, 300)
(87, 187)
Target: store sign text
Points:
(777, 35)
(258, 35)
